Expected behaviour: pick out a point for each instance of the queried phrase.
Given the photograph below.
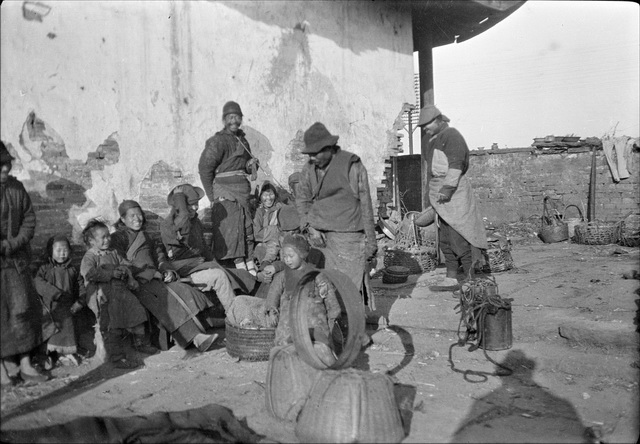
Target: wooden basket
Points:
(598, 233)
(249, 344)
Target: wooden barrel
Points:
(350, 406)
(352, 316)
(289, 380)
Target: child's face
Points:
(268, 198)
(60, 252)
(193, 209)
(101, 238)
(291, 258)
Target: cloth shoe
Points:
(37, 378)
(142, 344)
(204, 342)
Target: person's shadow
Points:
(521, 411)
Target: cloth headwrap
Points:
(126, 205)
(53, 239)
(294, 178)
(298, 243)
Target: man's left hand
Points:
(445, 194)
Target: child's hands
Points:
(132, 284)
(76, 307)
(170, 276)
(120, 272)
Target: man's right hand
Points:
(316, 238)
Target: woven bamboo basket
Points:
(249, 344)
(499, 259)
(598, 233)
(350, 406)
(289, 381)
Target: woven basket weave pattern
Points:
(248, 343)
(499, 260)
(598, 233)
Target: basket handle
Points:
(546, 217)
(564, 213)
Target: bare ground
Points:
(582, 387)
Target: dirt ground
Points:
(573, 354)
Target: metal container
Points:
(497, 333)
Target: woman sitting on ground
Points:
(174, 304)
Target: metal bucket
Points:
(497, 334)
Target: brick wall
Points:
(511, 184)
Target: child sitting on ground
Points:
(117, 310)
(63, 294)
(265, 224)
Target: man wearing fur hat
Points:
(334, 204)
(224, 165)
(460, 226)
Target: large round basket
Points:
(249, 344)
(598, 233)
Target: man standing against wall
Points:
(335, 207)
(460, 226)
(224, 165)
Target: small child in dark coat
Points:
(108, 278)
(60, 285)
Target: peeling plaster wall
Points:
(153, 76)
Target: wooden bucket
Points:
(350, 406)
(289, 380)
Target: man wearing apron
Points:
(460, 226)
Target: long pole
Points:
(591, 203)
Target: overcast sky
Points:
(552, 67)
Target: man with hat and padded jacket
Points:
(334, 204)
(461, 230)
(224, 165)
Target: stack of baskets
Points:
(395, 275)
(598, 233)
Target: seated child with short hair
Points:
(63, 294)
(323, 309)
(107, 278)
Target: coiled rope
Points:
(478, 298)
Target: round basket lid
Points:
(352, 308)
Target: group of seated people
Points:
(129, 276)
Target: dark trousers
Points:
(456, 250)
